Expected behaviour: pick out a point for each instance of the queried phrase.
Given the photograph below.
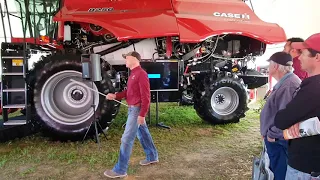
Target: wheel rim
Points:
(187, 96)
(67, 102)
(224, 101)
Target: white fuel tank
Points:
(146, 48)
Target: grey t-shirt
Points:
(281, 95)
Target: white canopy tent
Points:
(298, 18)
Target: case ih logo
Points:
(231, 15)
(100, 9)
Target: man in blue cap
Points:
(281, 69)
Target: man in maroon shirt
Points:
(137, 95)
(295, 53)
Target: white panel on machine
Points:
(146, 48)
(67, 33)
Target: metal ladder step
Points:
(12, 57)
(18, 106)
(14, 122)
(14, 65)
(14, 90)
(12, 74)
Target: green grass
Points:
(17, 113)
(30, 157)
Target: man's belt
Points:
(135, 105)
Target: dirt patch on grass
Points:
(228, 157)
(206, 163)
(205, 131)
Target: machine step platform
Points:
(13, 80)
(15, 122)
(18, 130)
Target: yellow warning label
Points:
(17, 62)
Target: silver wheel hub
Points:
(75, 95)
(67, 102)
(220, 99)
(224, 101)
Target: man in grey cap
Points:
(281, 69)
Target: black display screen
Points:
(163, 75)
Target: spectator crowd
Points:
(294, 98)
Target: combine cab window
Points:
(30, 18)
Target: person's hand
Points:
(294, 130)
(270, 140)
(111, 96)
(141, 120)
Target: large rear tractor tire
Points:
(224, 101)
(62, 107)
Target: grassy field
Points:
(191, 149)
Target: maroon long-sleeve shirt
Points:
(297, 69)
(138, 90)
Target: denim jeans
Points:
(278, 155)
(293, 174)
(132, 130)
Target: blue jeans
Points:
(293, 174)
(278, 155)
(132, 130)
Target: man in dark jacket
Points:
(295, 53)
(303, 153)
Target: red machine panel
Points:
(199, 19)
(192, 20)
(126, 19)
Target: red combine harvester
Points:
(195, 51)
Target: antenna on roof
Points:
(250, 4)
